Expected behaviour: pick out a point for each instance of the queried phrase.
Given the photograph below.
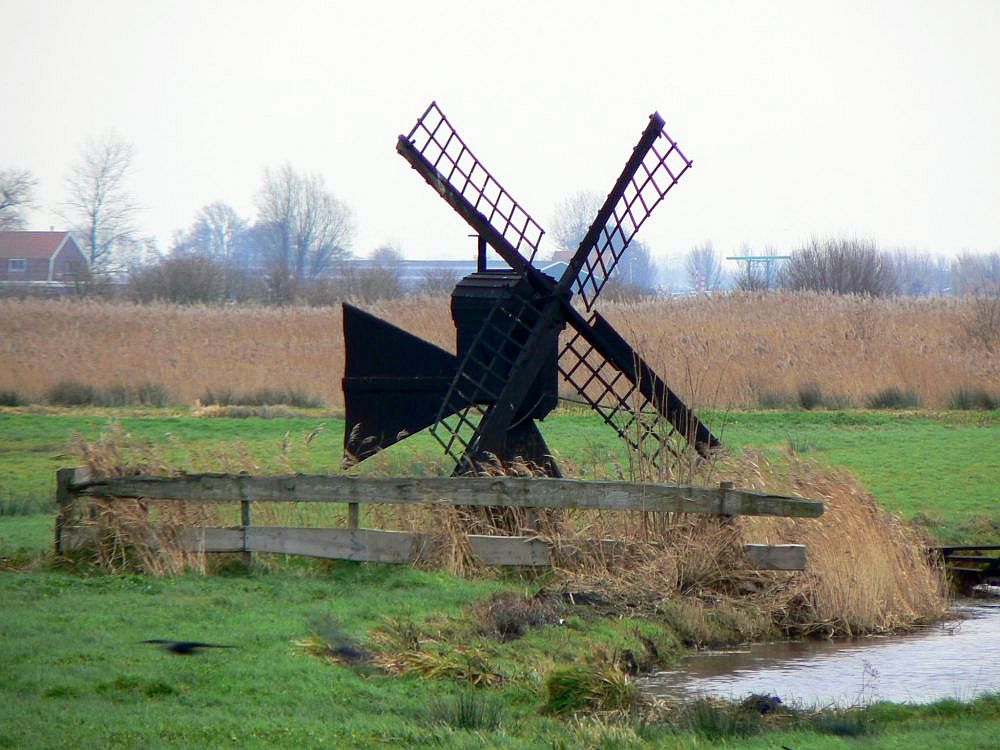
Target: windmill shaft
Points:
(493, 429)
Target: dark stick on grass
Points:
(184, 648)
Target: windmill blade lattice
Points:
(657, 163)
(435, 149)
(612, 395)
(627, 393)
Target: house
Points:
(40, 257)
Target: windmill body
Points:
(482, 403)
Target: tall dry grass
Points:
(718, 351)
(866, 571)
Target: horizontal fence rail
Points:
(513, 492)
(377, 545)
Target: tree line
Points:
(847, 266)
(296, 247)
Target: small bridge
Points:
(971, 564)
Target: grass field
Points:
(76, 675)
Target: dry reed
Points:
(727, 350)
(866, 571)
(129, 534)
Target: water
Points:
(955, 659)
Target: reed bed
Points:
(725, 351)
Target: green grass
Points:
(74, 674)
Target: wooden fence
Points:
(377, 545)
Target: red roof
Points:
(30, 244)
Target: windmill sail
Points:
(656, 164)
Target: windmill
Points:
(482, 404)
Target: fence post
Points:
(730, 505)
(353, 515)
(64, 503)
(245, 522)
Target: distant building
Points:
(40, 257)
(412, 273)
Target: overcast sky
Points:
(871, 119)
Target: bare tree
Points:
(920, 274)
(976, 274)
(218, 233)
(302, 228)
(636, 268)
(752, 278)
(179, 278)
(17, 196)
(381, 278)
(703, 266)
(573, 218)
(98, 204)
(437, 282)
(842, 266)
(756, 270)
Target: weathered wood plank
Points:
(510, 550)
(519, 492)
(374, 545)
(206, 539)
(775, 556)
(210, 539)
(402, 547)
(66, 510)
(361, 545)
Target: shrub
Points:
(11, 398)
(810, 395)
(144, 394)
(262, 397)
(893, 398)
(974, 398)
(981, 321)
(604, 687)
(768, 399)
(72, 393)
(841, 266)
(838, 401)
(184, 279)
(75, 393)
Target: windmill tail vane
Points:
(482, 404)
